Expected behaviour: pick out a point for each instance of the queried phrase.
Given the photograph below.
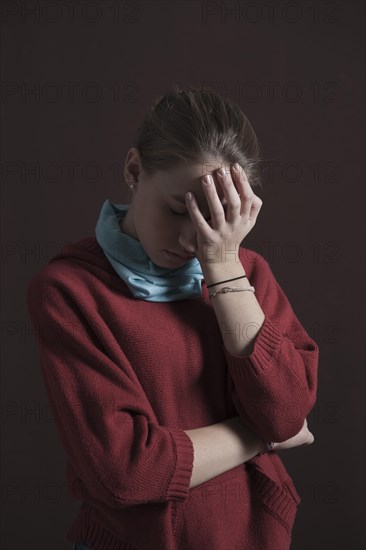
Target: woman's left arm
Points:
(271, 359)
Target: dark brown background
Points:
(297, 70)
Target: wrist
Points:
(219, 253)
(215, 273)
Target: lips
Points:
(181, 256)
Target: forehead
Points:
(175, 183)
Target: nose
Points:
(188, 237)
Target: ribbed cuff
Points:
(178, 488)
(266, 347)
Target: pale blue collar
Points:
(146, 280)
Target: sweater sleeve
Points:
(274, 388)
(108, 429)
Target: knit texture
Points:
(125, 378)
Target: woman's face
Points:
(158, 216)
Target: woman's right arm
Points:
(223, 446)
(105, 421)
(220, 447)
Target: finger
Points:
(196, 214)
(215, 206)
(246, 192)
(231, 194)
(256, 206)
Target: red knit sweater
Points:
(125, 377)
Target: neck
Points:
(126, 224)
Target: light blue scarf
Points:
(146, 280)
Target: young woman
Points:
(174, 361)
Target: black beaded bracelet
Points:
(213, 284)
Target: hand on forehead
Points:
(210, 168)
(188, 178)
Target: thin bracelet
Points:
(213, 284)
(230, 289)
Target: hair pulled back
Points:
(193, 126)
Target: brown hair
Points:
(191, 125)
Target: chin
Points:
(160, 261)
(162, 264)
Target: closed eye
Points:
(179, 213)
(184, 213)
